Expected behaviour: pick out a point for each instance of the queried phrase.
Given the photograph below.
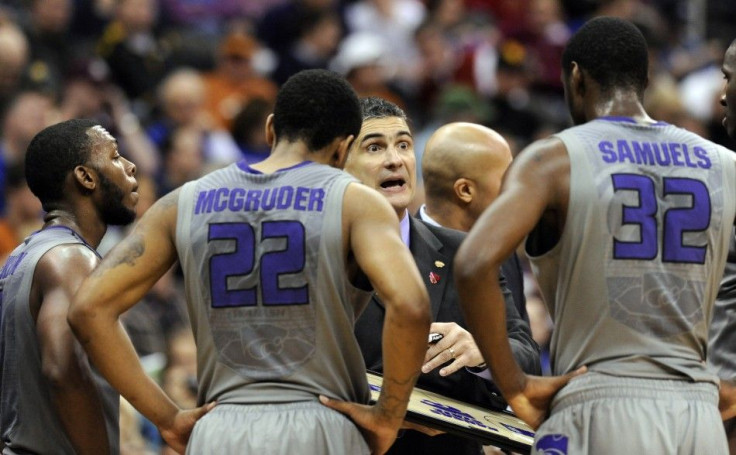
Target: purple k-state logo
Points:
(551, 444)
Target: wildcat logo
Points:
(551, 444)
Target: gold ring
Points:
(452, 352)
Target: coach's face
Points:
(382, 157)
(728, 97)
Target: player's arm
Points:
(64, 365)
(523, 346)
(374, 239)
(120, 281)
(536, 183)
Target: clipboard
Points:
(498, 428)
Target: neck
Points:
(89, 228)
(401, 212)
(449, 216)
(286, 154)
(621, 103)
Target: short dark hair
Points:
(52, 154)
(612, 51)
(316, 106)
(375, 107)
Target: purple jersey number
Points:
(273, 264)
(676, 221)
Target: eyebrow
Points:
(380, 135)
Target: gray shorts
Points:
(600, 414)
(305, 427)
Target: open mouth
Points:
(393, 184)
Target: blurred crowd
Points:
(186, 85)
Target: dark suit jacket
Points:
(433, 249)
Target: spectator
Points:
(320, 31)
(248, 130)
(14, 58)
(29, 112)
(23, 214)
(234, 81)
(395, 22)
(182, 97)
(183, 158)
(279, 27)
(51, 46)
(131, 48)
(363, 60)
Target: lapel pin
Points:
(434, 278)
(439, 264)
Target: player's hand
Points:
(378, 429)
(457, 344)
(177, 434)
(420, 428)
(727, 399)
(532, 404)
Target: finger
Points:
(437, 361)
(435, 350)
(564, 379)
(338, 405)
(439, 327)
(582, 370)
(199, 412)
(454, 366)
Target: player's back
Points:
(28, 422)
(632, 280)
(269, 299)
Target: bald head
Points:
(462, 167)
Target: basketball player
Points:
(462, 168)
(270, 253)
(50, 400)
(627, 222)
(721, 344)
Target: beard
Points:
(114, 212)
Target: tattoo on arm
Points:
(132, 249)
(391, 405)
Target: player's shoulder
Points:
(66, 258)
(543, 150)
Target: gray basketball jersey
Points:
(28, 422)
(268, 295)
(632, 281)
(723, 327)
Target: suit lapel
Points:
(434, 266)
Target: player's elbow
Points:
(471, 267)
(413, 307)
(81, 312)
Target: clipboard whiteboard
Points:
(497, 428)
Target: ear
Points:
(85, 177)
(577, 79)
(270, 132)
(464, 189)
(340, 155)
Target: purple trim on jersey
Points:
(615, 118)
(244, 166)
